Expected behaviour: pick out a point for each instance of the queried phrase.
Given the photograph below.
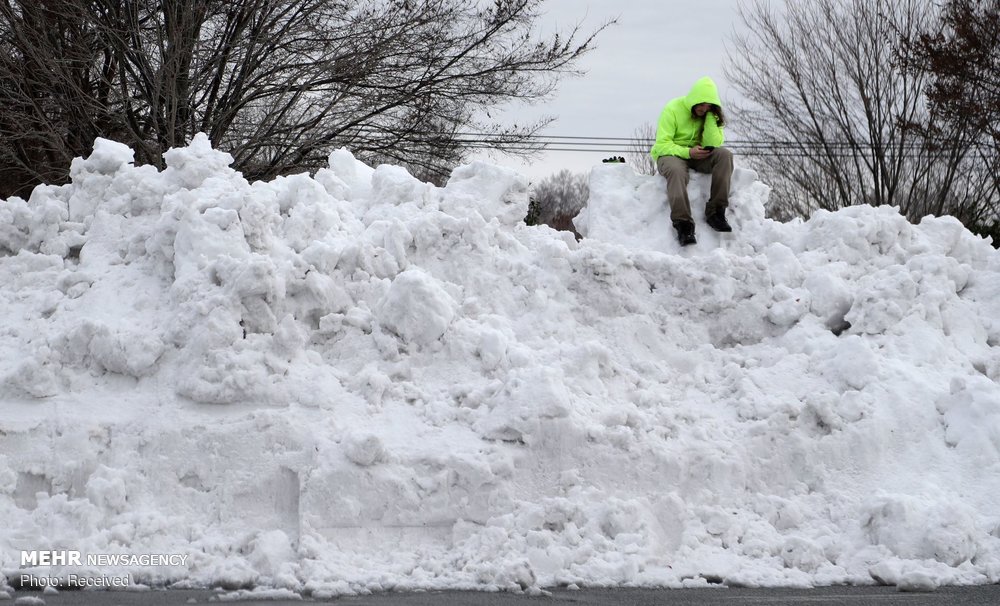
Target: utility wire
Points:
(538, 143)
(596, 141)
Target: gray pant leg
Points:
(720, 165)
(675, 171)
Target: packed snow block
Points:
(493, 192)
(292, 192)
(918, 581)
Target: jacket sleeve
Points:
(665, 131)
(712, 135)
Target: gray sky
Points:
(654, 53)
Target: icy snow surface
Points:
(356, 381)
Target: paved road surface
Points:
(826, 596)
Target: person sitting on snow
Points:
(689, 134)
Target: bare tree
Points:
(638, 151)
(558, 198)
(832, 108)
(277, 83)
(961, 53)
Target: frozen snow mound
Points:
(356, 381)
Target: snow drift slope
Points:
(357, 381)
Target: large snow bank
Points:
(357, 381)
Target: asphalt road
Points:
(850, 596)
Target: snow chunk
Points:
(263, 594)
(189, 167)
(106, 159)
(789, 306)
(416, 308)
(784, 266)
(394, 186)
(347, 178)
(531, 396)
(106, 489)
(364, 449)
(971, 412)
(882, 301)
(272, 553)
(830, 297)
(913, 529)
(917, 580)
(36, 378)
(853, 363)
(124, 351)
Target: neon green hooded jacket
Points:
(678, 130)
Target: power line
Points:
(592, 141)
(538, 143)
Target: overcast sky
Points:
(654, 53)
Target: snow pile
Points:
(357, 382)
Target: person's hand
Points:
(700, 153)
